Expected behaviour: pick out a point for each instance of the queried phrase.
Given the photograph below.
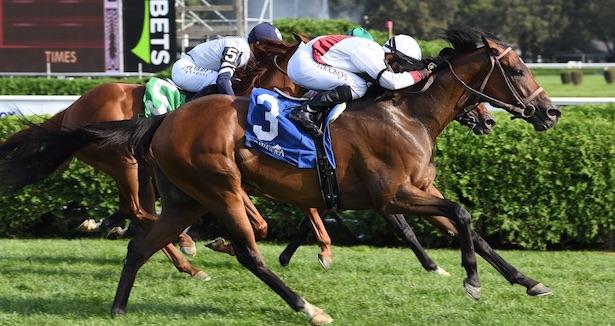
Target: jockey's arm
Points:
(365, 59)
(230, 61)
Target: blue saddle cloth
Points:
(270, 131)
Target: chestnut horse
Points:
(383, 152)
(122, 101)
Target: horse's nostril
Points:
(490, 123)
(554, 113)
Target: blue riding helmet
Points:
(263, 32)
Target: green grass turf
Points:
(593, 85)
(61, 282)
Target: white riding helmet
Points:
(403, 44)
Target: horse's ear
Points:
(301, 38)
(484, 39)
(489, 44)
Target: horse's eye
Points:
(517, 72)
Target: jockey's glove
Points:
(436, 64)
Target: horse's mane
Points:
(264, 52)
(462, 41)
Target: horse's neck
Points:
(446, 98)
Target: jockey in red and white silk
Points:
(332, 63)
(334, 60)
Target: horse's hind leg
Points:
(147, 199)
(399, 223)
(259, 226)
(179, 211)
(322, 238)
(234, 218)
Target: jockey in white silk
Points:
(215, 61)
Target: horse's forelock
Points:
(247, 76)
(469, 40)
(272, 47)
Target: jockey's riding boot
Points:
(306, 114)
(305, 117)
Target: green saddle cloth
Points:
(161, 96)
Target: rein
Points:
(520, 109)
(275, 63)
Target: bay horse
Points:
(383, 152)
(481, 122)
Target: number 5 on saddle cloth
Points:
(271, 132)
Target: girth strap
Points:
(326, 177)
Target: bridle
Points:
(275, 63)
(465, 118)
(521, 109)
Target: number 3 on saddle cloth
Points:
(270, 131)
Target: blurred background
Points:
(53, 51)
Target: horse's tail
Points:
(22, 136)
(44, 150)
(132, 137)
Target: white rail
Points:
(34, 104)
(572, 65)
(51, 104)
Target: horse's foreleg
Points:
(404, 230)
(410, 200)
(302, 233)
(508, 271)
(232, 214)
(259, 226)
(186, 244)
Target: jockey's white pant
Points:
(189, 77)
(305, 71)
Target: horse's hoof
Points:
(284, 260)
(188, 251)
(321, 318)
(88, 225)
(317, 316)
(116, 233)
(215, 243)
(471, 290)
(440, 271)
(324, 262)
(539, 290)
(118, 312)
(202, 276)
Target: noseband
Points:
(521, 109)
(465, 118)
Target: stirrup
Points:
(304, 118)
